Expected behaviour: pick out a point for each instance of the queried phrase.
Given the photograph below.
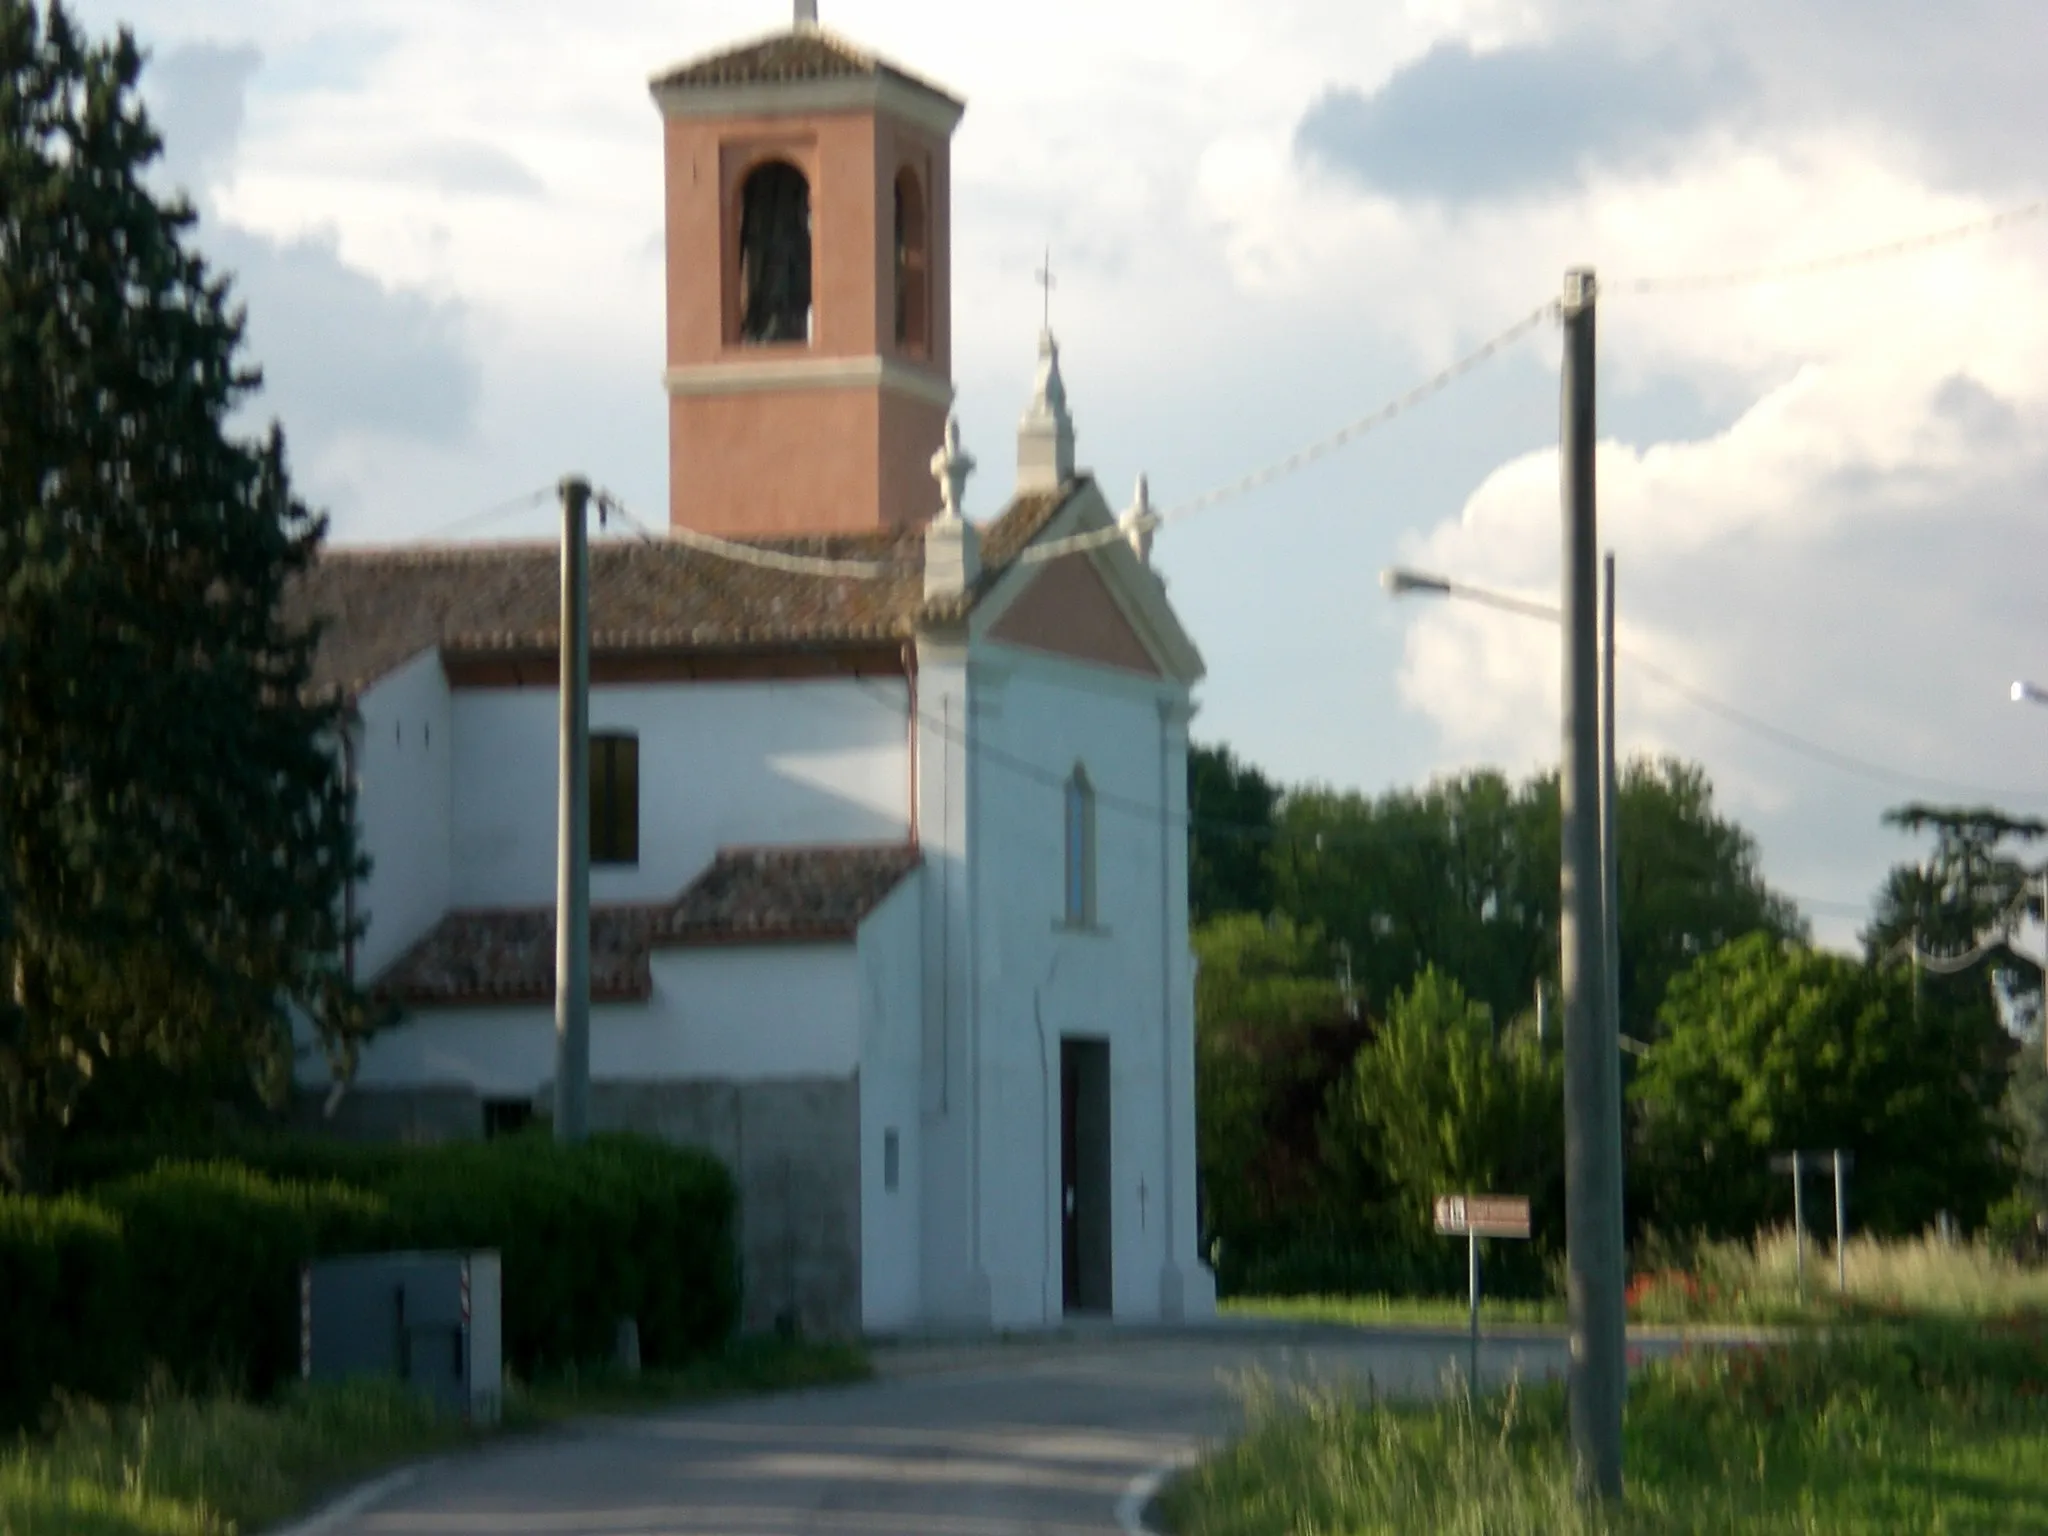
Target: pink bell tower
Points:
(809, 209)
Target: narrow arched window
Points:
(775, 254)
(913, 261)
(1080, 903)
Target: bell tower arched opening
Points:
(913, 265)
(775, 255)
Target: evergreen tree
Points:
(175, 827)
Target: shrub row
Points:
(193, 1266)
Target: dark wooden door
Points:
(1085, 1226)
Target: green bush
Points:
(214, 1253)
(660, 1216)
(210, 1252)
(68, 1322)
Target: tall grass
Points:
(175, 1465)
(180, 1466)
(1758, 1281)
(1932, 1426)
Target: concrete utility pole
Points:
(1610, 854)
(1592, 1053)
(572, 887)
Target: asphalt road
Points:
(966, 1441)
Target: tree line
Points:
(1372, 1027)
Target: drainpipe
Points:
(348, 889)
(1166, 970)
(910, 685)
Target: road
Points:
(948, 1441)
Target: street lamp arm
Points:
(1400, 581)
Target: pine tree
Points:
(176, 829)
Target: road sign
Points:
(1482, 1215)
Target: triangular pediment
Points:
(1068, 610)
(1096, 603)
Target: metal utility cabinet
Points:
(432, 1320)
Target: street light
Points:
(1593, 1183)
(2024, 692)
(1401, 582)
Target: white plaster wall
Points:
(892, 1031)
(744, 1014)
(720, 764)
(404, 761)
(954, 1283)
(1125, 981)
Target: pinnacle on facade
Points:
(1045, 438)
(952, 545)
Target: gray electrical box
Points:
(434, 1320)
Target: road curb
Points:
(356, 1501)
(1142, 1490)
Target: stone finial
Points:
(1138, 520)
(951, 466)
(806, 13)
(1045, 438)
(952, 545)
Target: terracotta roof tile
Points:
(508, 956)
(781, 893)
(808, 53)
(746, 896)
(384, 606)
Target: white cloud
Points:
(1850, 550)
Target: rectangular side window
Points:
(614, 798)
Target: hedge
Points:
(66, 1322)
(193, 1266)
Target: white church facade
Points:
(888, 827)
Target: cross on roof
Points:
(1045, 281)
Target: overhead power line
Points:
(1699, 697)
(1150, 811)
(490, 514)
(747, 553)
(1794, 742)
(1746, 277)
(1299, 460)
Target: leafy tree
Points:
(175, 830)
(1689, 882)
(2026, 1108)
(1439, 1103)
(1271, 1035)
(1230, 811)
(1463, 875)
(1770, 1047)
(1968, 895)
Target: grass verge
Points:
(1932, 1425)
(174, 1465)
(1370, 1311)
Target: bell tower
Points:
(809, 287)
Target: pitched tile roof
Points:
(745, 896)
(807, 53)
(750, 894)
(508, 955)
(384, 606)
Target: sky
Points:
(1825, 493)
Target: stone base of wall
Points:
(793, 1147)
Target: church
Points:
(888, 802)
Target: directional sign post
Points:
(1473, 1217)
(1799, 1165)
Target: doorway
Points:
(1085, 1230)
